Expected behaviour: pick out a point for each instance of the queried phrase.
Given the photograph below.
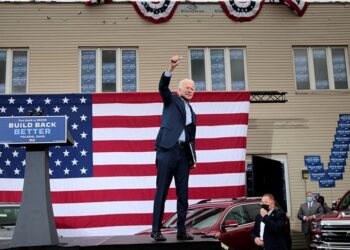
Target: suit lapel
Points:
(181, 106)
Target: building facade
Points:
(70, 47)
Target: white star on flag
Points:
(30, 101)
(66, 171)
(83, 100)
(47, 101)
(65, 100)
(20, 109)
(11, 100)
(74, 108)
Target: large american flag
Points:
(104, 184)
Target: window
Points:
(252, 210)
(237, 213)
(13, 71)
(321, 68)
(218, 69)
(108, 70)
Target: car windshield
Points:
(345, 203)
(197, 218)
(8, 216)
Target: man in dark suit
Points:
(269, 228)
(177, 132)
(307, 213)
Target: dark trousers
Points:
(308, 240)
(171, 163)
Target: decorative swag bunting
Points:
(240, 11)
(298, 6)
(156, 12)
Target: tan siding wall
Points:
(304, 125)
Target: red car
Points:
(229, 220)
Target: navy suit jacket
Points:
(173, 118)
(274, 233)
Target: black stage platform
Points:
(132, 242)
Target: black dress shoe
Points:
(184, 236)
(158, 236)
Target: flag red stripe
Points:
(155, 120)
(104, 220)
(150, 169)
(143, 194)
(148, 145)
(144, 97)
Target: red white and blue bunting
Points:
(97, 2)
(241, 10)
(298, 6)
(238, 10)
(156, 11)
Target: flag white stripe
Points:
(102, 231)
(203, 156)
(117, 207)
(222, 131)
(146, 109)
(127, 182)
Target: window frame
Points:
(207, 67)
(119, 77)
(9, 67)
(311, 66)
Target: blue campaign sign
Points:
(339, 154)
(340, 146)
(336, 168)
(337, 160)
(317, 176)
(312, 160)
(344, 126)
(335, 175)
(345, 118)
(326, 183)
(342, 132)
(315, 168)
(342, 138)
(33, 129)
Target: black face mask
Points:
(265, 206)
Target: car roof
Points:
(225, 202)
(9, 204)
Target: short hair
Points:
(271, 197)
(181, 83)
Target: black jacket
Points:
(274, 233)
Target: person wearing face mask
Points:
(308, 212)
(176, 134)
(269, 227)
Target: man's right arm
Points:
(165, 78)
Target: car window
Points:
(8, 215)
(197, 218)
(236, 213)
(251, 211)
(345, 203)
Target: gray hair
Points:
(181, 83)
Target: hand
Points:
(193, 166)
(263, 212)
(258, 241)
(174, 61)
(310, 218)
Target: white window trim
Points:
(207, 65)
(329, 69)
(119, 78)
(8, 70)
